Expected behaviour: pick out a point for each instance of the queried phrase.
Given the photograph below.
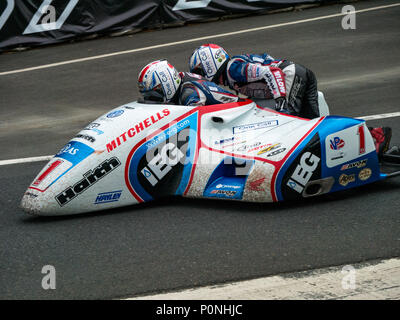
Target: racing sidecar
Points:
(237, 151)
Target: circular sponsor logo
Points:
(365, 174)
(115, 114)
(345, 179)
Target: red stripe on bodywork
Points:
(54, 165)
(43, 176)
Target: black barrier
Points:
(27, 23)
(183, 10)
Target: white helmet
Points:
(207, 60)
(159, 81)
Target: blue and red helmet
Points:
(207, 60)
(159, 81)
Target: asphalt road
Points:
(182, 243)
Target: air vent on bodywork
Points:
(217, 119)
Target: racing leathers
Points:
(197, 91)
(293, 86)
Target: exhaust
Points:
(318, 187)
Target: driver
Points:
(159, 82)
(293, 86)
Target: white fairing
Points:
(322, 105)
(110, 130)
(139, 152)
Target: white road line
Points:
(381, 116)
(25, 160)
(45, 66)
(47, 158)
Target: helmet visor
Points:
(156, 94)
(198, 70)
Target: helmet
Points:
(159, 81)
(207, 60)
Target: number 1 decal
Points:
(361, 134)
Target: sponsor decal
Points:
(31, 194)
(130, 133)
(74, 152)
(345, 179)
(227, 193)
(258, 147)
(162, 165)
(90, 178)
(271, 83)
(274, 153)
(233, 144)
(304, 166)
(270, 148)
(337, 143)
(115, 114)
(247, 147)
(255, 126)
(107, 197)
(217, 54)
(223, 141)
(303, 172)
(297, 84)
(357, 164)
(219, 186)
(206, 58)
(85, 137)
(228, 179)
(93, 127)
(256, 184)
(281, 84)
(347, 145)
(129, 107)
(69, 156)
(365, 174)
(340, 156)
(166, 83)
(68, 148)
(253, 72)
